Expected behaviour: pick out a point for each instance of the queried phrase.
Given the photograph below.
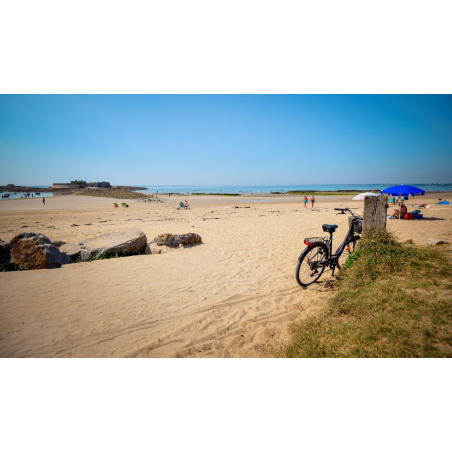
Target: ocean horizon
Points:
(282, 188)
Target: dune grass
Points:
(390, 300)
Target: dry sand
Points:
(233, 296)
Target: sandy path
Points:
(234, 295)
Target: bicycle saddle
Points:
(329, 228)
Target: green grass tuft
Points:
(390, 300)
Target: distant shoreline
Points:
(232, 191)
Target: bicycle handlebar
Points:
(346, 209)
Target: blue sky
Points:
(225, 140)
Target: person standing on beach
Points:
(305, 202)
(312, 201)
(43, 200)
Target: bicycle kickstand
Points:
(334, 268)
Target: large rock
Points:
(33, 251)
(176, 240)
(124, 243)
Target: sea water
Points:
(18, 195)
(186, 189)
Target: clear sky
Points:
(225, 140)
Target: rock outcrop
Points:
(124, 243)
(33, 251)
(175, 240)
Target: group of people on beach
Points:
(305, 201)
(183, 205)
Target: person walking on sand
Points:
(43, 200)
(312, 201)
(305, 202)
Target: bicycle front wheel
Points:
(309, 268)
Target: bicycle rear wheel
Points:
(308, 269)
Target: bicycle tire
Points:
(311, 254)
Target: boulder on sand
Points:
(131, 241)
(34, 251)
(176, 240)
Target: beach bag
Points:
(408, 216)
(418, 216)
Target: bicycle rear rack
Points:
(310, 241)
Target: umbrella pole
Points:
(400, 205)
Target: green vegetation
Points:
(100, 257)
(390, 300)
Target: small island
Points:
(81, 187)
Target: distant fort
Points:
(79, 184)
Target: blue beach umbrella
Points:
(403, 190)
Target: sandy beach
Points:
(234, 295)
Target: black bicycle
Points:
(317, 256)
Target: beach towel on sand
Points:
(443, 202)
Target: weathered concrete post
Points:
(375, 212)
